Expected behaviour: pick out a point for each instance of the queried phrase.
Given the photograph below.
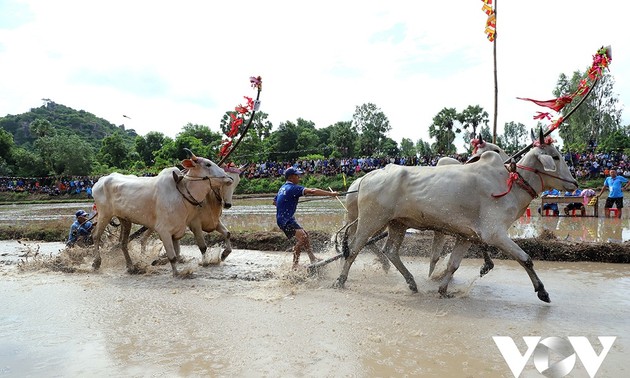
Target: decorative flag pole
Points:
(237, 119)
(601, 61)
(491, 32)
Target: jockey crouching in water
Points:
(80, 229)
(286, 202)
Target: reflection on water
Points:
(579, 229)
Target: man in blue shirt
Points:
(550, 206)
(80, 229)
(614, 183)
(286, 202)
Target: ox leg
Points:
(144, 239)
(177, 248)
(169, 247)
(391, 250)
(488, 264)
(102, 222)
(227, 238)
(384, 260)
(125, 230)
(439, 239)
(201, 244)
(380, 256)
(371, 245)
(461, 246)
(359, 241)
(508, 246)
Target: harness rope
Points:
(190, 197)
(516, 177)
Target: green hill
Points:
(65, 121)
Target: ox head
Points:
(547, 162)
(480, 146)
(198, 167)
(227, 191)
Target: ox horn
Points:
(533, 135)
(190, 154)
(541, 137)
(480, 139)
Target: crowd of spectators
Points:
(53, 186)
(583, 166)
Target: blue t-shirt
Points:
(552, 192)
(286, 202)
(614, 185)
(77, 229)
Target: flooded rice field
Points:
(258, 214)
(253, 316)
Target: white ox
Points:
(154, 202)
(208, 217)
(456, 200)
(439, 238)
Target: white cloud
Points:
(169, 63)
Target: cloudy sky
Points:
(167, 63)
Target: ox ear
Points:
(187, 163)
(547, 162)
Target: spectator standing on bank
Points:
(615, 185)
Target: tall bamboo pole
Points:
(496, 82)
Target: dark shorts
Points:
(617, 201)
(574, 206)
(290, 227)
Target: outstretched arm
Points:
(319, 192)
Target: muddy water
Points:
(253, 316)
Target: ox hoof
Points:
(184, 275)
(159, 261)
(444, 294)
(544, 296)
(413, 288)
(225, 254)
(135, 270)
(338, 284)
(485, 269)
(96, 264)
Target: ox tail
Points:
(337, 238)
(344, 242)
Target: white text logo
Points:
(541, 349)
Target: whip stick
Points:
(344, 206)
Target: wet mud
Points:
(252, 315)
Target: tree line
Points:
(57, 140)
